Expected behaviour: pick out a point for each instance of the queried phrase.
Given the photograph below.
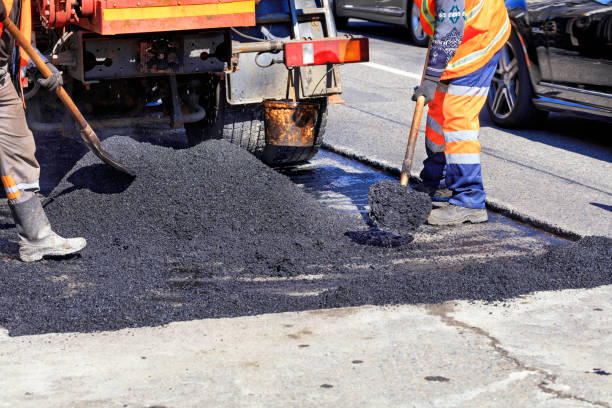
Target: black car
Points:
(404, 13)
(558, 58)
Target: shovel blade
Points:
(93, 143)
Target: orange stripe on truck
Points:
(149, 18)
(194, 10)
(175, 24)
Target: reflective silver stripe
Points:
(460, 90)
(434, 125)
(472, 13)
(427, 13)
(23, 186)
(30, 186)
(463, 158)
(442, 87)
(461, 135)
(475, 55)
(434, 147)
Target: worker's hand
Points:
(54, 81)
(427, 89)
(2, 11)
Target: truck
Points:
(257, 73)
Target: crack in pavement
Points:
(443, 311)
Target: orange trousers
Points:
(453, 148)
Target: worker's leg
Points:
(433, 166)
(18, 165)
(463, 101)
(19, 172)
(465, 98)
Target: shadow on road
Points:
(588, 137)
(603, 206)
(58, 154)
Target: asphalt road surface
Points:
(542, 349)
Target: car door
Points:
(579, 46)
(391, 11)
(364, 9)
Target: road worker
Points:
(19, 168)
(467, 36)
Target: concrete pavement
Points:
(543, 350)
(556, 176)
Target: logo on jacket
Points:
(453, 15)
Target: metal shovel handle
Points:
(89, 136)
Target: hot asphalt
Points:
(212, 232)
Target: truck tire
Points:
(243, 125)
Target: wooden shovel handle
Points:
(412, 139)
(87, 134)
(44, 70)
(414, 129)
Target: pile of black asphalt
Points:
(211, 232)
(398, 208)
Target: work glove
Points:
(427, 89)
(2, 11)
(55, 80)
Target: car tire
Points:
(340, 22)
(413, 21)
(509, 102)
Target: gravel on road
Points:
(398, 208)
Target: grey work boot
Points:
(432, 191)
(36, 239)
(455, 214)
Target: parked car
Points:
(402, 12)
(558, 58)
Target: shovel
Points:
(396, 207)
(87, 133)
(412, 139)
(414, 130)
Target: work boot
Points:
(36, 238)
(433, 191)
(455, 214)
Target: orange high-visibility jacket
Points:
(25, 26)
(487, 28)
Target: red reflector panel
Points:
(327, 51)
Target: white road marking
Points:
(393, 70)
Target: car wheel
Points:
(510, 95)
(415, 29)
(341, 22)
